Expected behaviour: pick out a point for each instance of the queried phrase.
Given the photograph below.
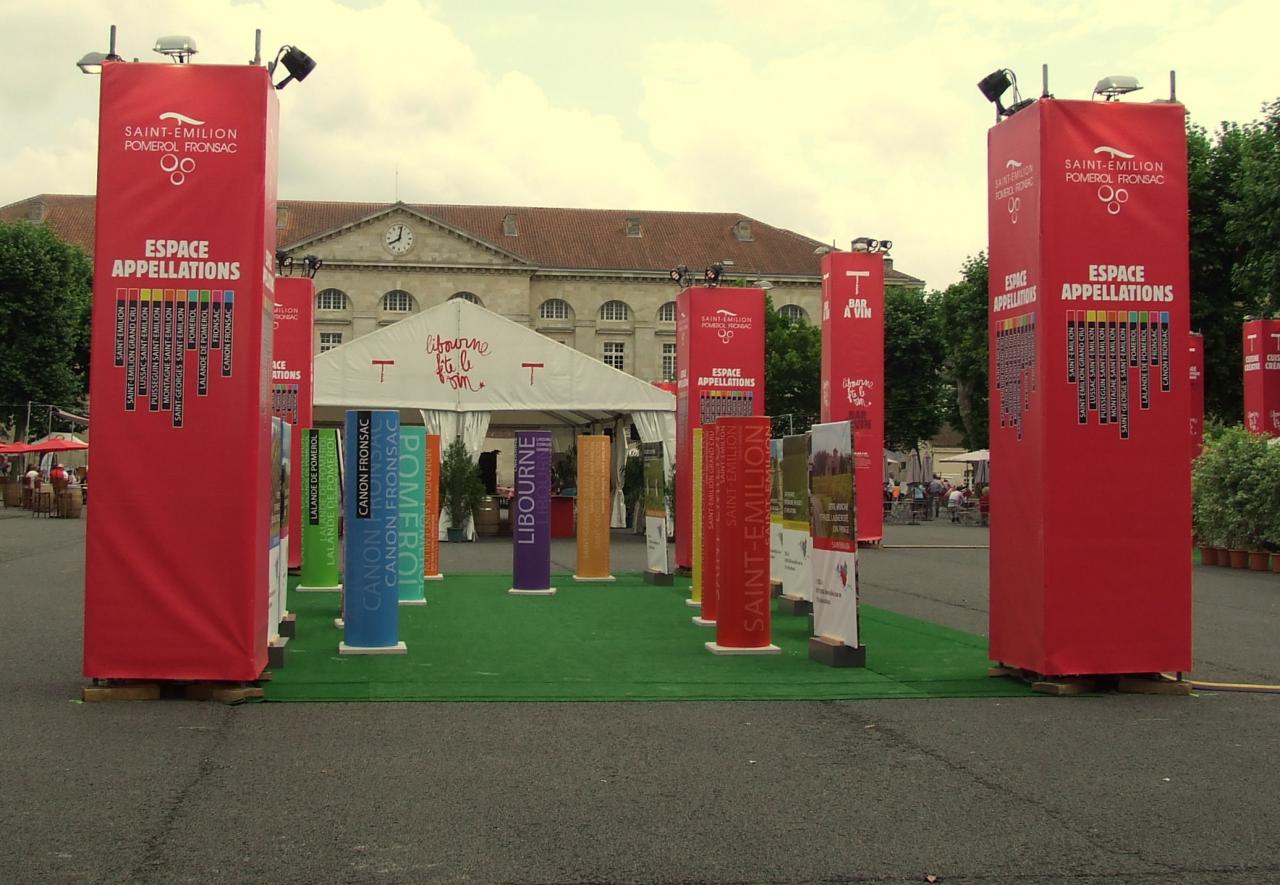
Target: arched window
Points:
(397, 301)
(555, 309)
(615, 310)
(331, 299)
(794, 312)
(667, 313)
(467, 296)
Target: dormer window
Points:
(509, 228)
(633, 226)
(742, 231)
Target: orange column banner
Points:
(431, 520)
(594, 456)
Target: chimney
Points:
(888, 264)
(633, 225)
(742, 230)
(282, 216)
(509, 228)
(37, 211)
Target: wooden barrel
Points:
(69, 504)
(487, 517)
(13, 494)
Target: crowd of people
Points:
(31, 479)
(928, 500)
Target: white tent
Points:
(465, 369)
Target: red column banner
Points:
(184, 259)
(719, 372)
(1089, 376)
(431, 511)
(1195, 377)
(710, 573)
(743, 612)
(853, 371)
(292, 354)
(1262, 376)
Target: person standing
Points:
(954, 501)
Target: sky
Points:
(833, 118)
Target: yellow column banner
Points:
(594, 460)
(696, 597)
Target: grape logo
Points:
(1015, 206)
(178, 168)
(726, 335)
(1114, 197)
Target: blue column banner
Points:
(531, 515)
(371, 514)
(412, 470)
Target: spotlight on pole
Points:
(870, 244)
(295, 61)
(993, 87)
(92, 62)
(680, 275)
(178, 47)
(311, 265)
(284, 263)
(711, 276)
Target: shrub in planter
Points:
(1236, 493)
(460, 487)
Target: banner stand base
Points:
(398, 649)
(339, 623)
(775, 588)
(413, 602)
(794, 605)
(660, 579)
(275, 653)
(717, 649)
(834, 653)
(607, 579)
(289, 625)
(433, 577)
(703, 622)
(693, 603)
(515, 591)
(302, 588)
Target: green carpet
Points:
(602, 642)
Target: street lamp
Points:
(92, 62)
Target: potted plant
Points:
(460, 488)
(1236, 496)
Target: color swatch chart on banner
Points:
(1102, 346)
(284, 402)
(713, 404)
(160, 334)
(1015, 368)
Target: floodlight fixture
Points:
(178, 47)
(711, 275)
(311, 265)
(679, 275)
(295, 61)
(823, 249)
(993, 87)
(764, 284)
(870, 244)
(92, 62)
(284, 262)
(1111, 88)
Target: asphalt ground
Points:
(1110, 788)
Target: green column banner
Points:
(321, 506)
(409, 558)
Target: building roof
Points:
(549, 238)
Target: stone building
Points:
(595, 279)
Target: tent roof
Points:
(460, 357)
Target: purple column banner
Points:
(531, 515)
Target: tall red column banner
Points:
(1089, 383)
(1262, 376)
(853, 371)
(184, 261)
(292, 355)
(719, 373)
(1195, 378)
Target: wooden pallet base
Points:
(138, 690)
(1123, 683)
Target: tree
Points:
(1253, 213)
(792, 370)
(963, 308)
(913, 352)
(45, 295)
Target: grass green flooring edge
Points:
(611, 642)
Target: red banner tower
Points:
(292, 355)
(184, 261)
(1088, 330)
(720, 362)
(1195, 375)
(853, 372)
(1262, 376)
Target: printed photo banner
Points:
(412, 469)
(1262, 376)
(835, 542)
(719, 372)
(184, 262)
(797, 581)
(321, 505)
(431, 509)
(775, 510)
(292, 335)
(1088, 326)
(655, 509)
(531, 515)
(712, 476)
(278, 541)
(699, 564)
(371, 538)
(853, 370)
(744, 608)
(1195, 375)
(595, 454)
